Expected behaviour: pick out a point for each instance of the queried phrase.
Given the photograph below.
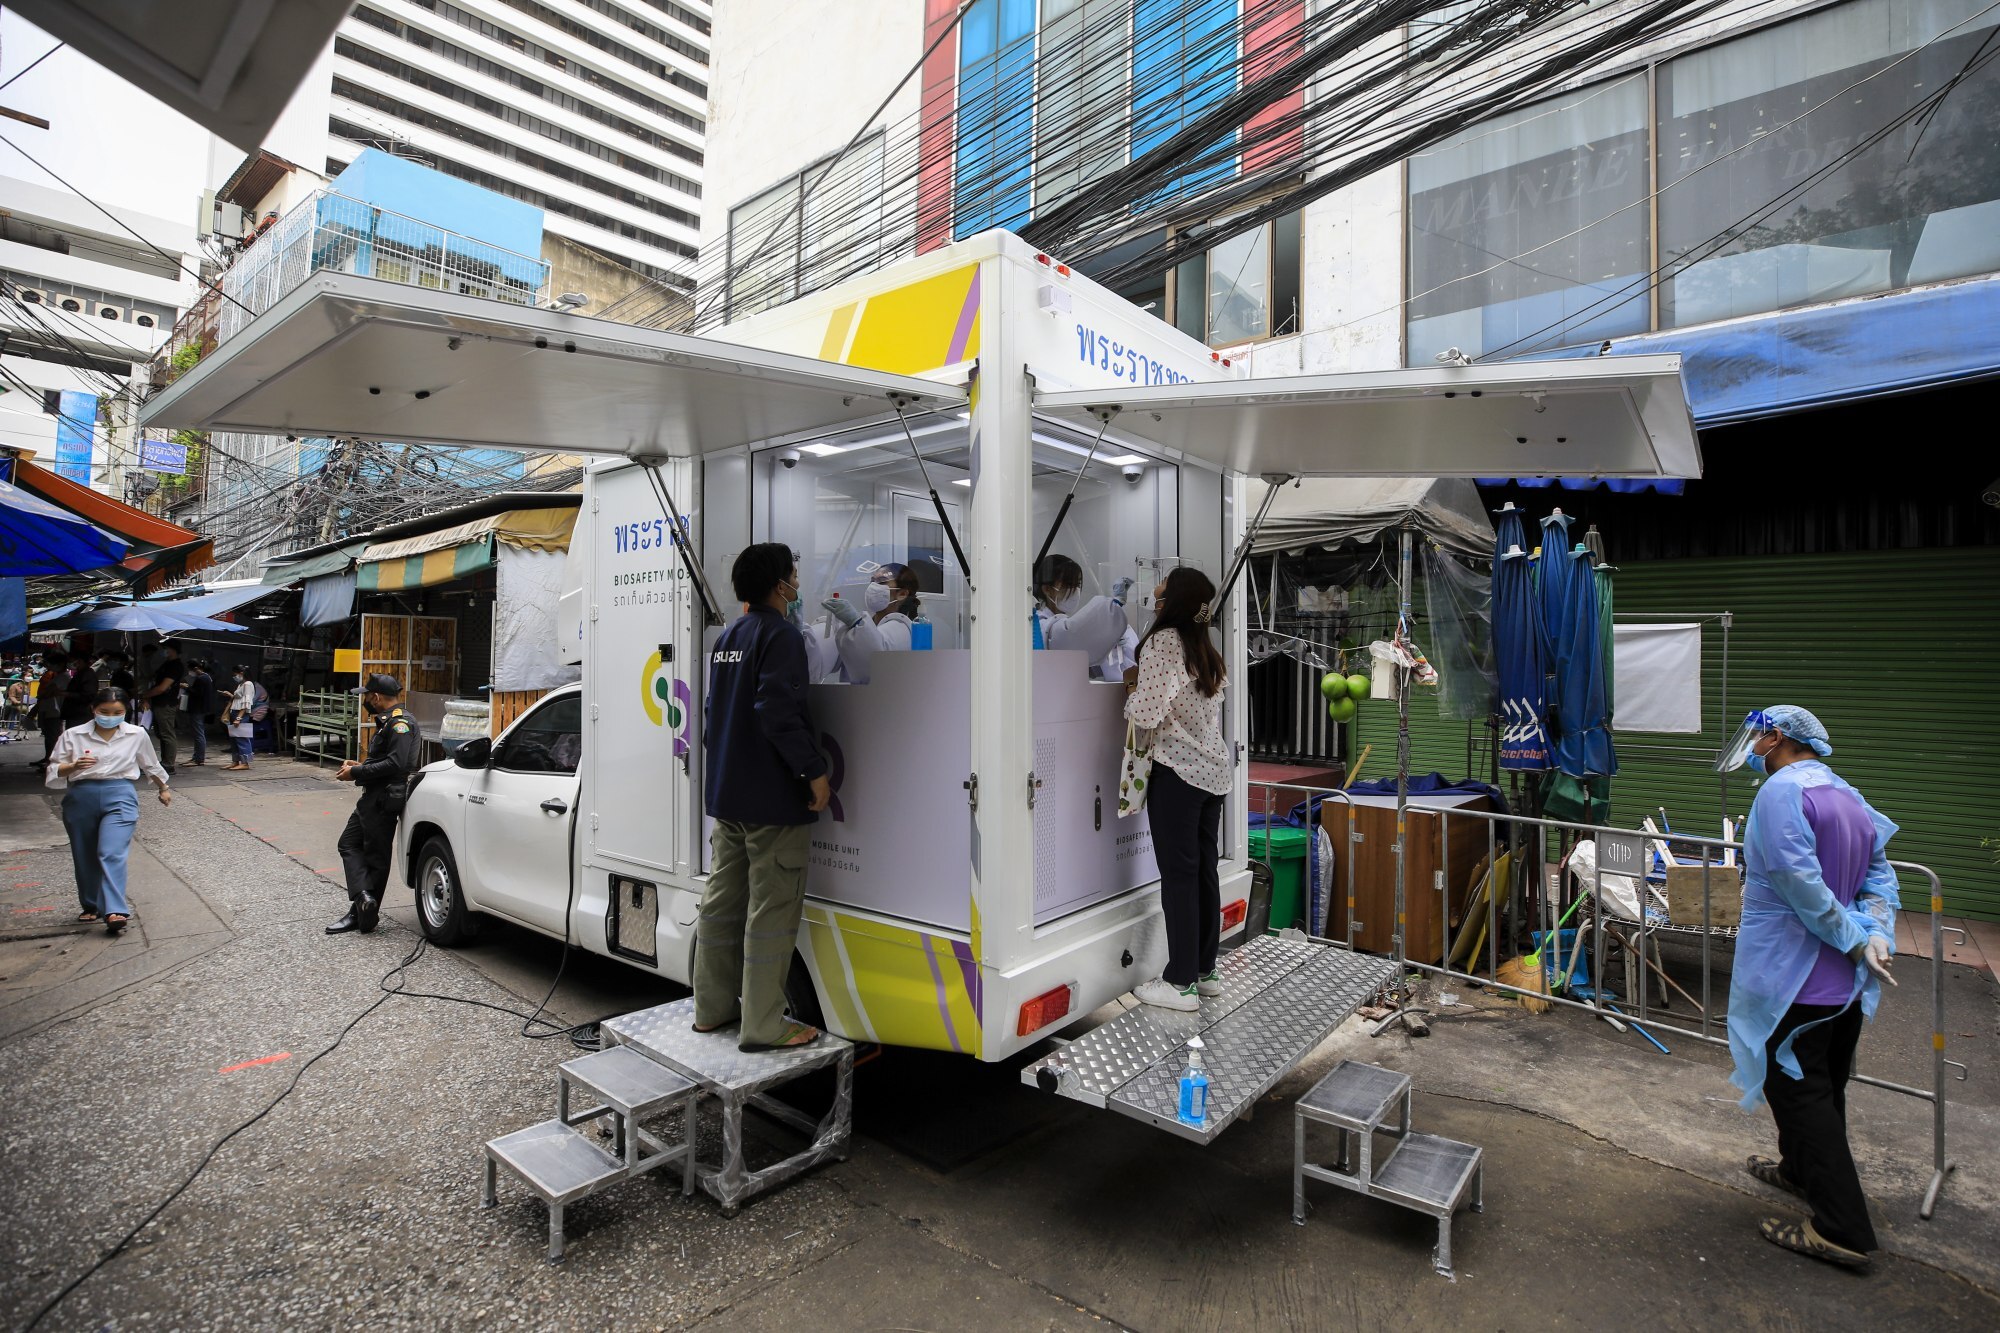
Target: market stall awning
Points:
(465, 548)
(218, 601)
(1604, 417)
(166, 550)
(336, 561)
(350, 356)
(1333, 511)
(39, 538)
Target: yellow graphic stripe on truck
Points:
(915, 988)
(910, 329)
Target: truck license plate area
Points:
(632, 925)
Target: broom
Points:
(1527, 971)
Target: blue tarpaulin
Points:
(38, 538)
(1792, 360)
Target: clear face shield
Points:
(1756, 726)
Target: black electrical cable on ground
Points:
(209, 1156)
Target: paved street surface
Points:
(1614, 1194)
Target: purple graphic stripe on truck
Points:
(963, 333)
(944, 1003)
(969, 969)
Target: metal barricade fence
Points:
(1526, 840)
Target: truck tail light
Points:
(1233, 913)
(1044, 1009)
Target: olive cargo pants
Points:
(749, 920)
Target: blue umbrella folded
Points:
(1582, 709)
(1524, 740)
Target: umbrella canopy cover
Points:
(130, 618)
(38, 538)
(1517, 649)
(1583, 734)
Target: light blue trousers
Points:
(100, 815)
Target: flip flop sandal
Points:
(704, 1031)
(115, 924)
(87, 917)
(1801, 1237)
(795, 1035)
(1766, 1170)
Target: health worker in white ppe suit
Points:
(1097, 627)
(880, 624)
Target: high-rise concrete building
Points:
(594, 111)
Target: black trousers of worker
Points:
(1186, 824)
(367, 845)
(1812, 1119)
(52, 727)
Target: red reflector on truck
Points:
(1043, 1010)
(1233, 913)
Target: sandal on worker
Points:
(1768, 1171)
(87, 918)
(1801, 1237)
(715, 1027)
(115, 924)
(795, 1034)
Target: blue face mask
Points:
(109, 721)
(1755, 763)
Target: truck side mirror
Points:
(475, 753)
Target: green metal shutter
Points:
(1895, 651)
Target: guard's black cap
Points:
(383, 683)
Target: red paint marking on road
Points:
(19, 910)
(260, 1060)
(28, 884)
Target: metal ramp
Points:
(1280, 999)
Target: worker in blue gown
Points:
(1818, 931)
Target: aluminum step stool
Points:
(562, 1165)
(739, 1079)
(1422, 1172)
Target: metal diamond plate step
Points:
(1280, 999)
(666, 1033)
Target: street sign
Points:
(163, 456)
(1621, 853)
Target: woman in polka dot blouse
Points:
(1176, 693)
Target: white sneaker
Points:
(1161, 993)
(1209, 986)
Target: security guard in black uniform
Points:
(367, 844)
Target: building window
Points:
(1921, 204)
(1242, 289)
(1183, 62)
(777, 249)
(1783, 181)
(1081, 84)
(1536, 218)
(996, 115)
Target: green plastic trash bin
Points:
(1287, 855)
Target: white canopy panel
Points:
(1599, 417)
(350, 356)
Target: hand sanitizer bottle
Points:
(1194, 1087)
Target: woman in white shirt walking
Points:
(102, 761)
(1177, 694)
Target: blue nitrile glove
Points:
(1119, 589)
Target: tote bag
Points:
(1135, 775)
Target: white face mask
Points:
(876, 598)
(1068, 602)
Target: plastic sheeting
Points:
(525, 653)
(327, 600)
(1658, 674)
(1338, 511)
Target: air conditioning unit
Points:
(104, 310)
(31, 295)
(145, 321)
(73, 304)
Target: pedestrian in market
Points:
(1818, 931)
(49, 692)
(200, 707)
(368, 842)
(163, 695)
(239, 717)
(100, 762)
(765, 784)
(118, 672)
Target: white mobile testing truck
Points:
(972, 887)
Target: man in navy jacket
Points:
(765, 785)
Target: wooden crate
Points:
(1725, 896)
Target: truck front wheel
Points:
(441, 909)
